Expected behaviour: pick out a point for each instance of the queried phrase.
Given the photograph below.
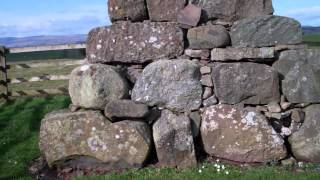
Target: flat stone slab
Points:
(165, 10)
(264, 31)
(246, 82)
(123, 10)
(126, 42)
(300, 71)
(238, 54)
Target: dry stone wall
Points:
(178, 76)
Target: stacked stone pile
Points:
(177, 76)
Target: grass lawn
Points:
(19, 130)
(312, 40)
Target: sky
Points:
(20, 18)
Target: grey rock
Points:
(290, 47)
(262, 31)
(237, 54)
(208, 37)
(278, 116)
(210, 101)
(300, 71)
(207, 92)
(206, 80)
(174, 141)
(133, 73)
(297, 115)
(247, 83)
(165, 10)
(195, 118)
(284, 104)
(172, 84)
(127, 42)
(205, 70)
(305, 142)
(197, 53)
(274, 107)
(189, 16)
(289, 162)
(65, 135)
(125, 109)
(233, 10)
(133, 10)
(92, 86)
(241, 135)
(262, 108)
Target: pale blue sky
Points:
(60, 17)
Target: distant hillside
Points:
(42, 40)
(307, 30)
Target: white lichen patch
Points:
(84, 67)
(99, 46)
(249, 119)
(117, 136)
(96, 144)
(152, 39)
(133, 151)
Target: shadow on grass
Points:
(19, 130)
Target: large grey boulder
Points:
(66, 136)
(127, 42)
(94, 85)
(173, 84)
(248, 83)
(125, 109)
(241, 135)
(239, 54)
(262, 31)
(305, 142)
(174, 141)
(300, 70)
(232, 10)
(208, 37)
(165, 10)
(133, 10)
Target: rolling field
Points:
(312, 40)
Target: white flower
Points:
(227, 172)
(223, 167)
(200, 171)
(203, 167)
(300, 164)
(218, 160)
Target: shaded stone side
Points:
(132, 10)
(165, 10)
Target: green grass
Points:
(312, 40)
(209, 171)
(19, 131)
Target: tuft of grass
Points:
(19, 132)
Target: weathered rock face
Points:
(172, 84)
(127, 42)
(241, 135)
(189, 16)
(233, 10)
(164, 10)
(208, 37)
(65, 135)
(262, 31)
(125, 109)
(237, 54)
(247, 83)
(301, 75)
(173, 140)
(93, 86)
(133, 10)
(305, 143)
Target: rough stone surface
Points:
(210, 101)
(127, 42)
(133, 10)
(189, 16)
(208, 37)
(125, 109)
(93, 86)
(300, 70)
(237, 54)
(206, 80)
(65, 135)
(174, 141)
(247, 83)
(164, 10)
(205, 70)
(207, 92)
(274, 107)
(241, 135)
(174, 84)
(264, 31)
(305, 143)
(133, 73)
(232, 10)
(197, 53)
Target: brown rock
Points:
(133, 10)
(199, 53)
(189, 16)
(127, 42)
(241, 135)
(164, 10)
(274, 107)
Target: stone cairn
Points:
(172, 79)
